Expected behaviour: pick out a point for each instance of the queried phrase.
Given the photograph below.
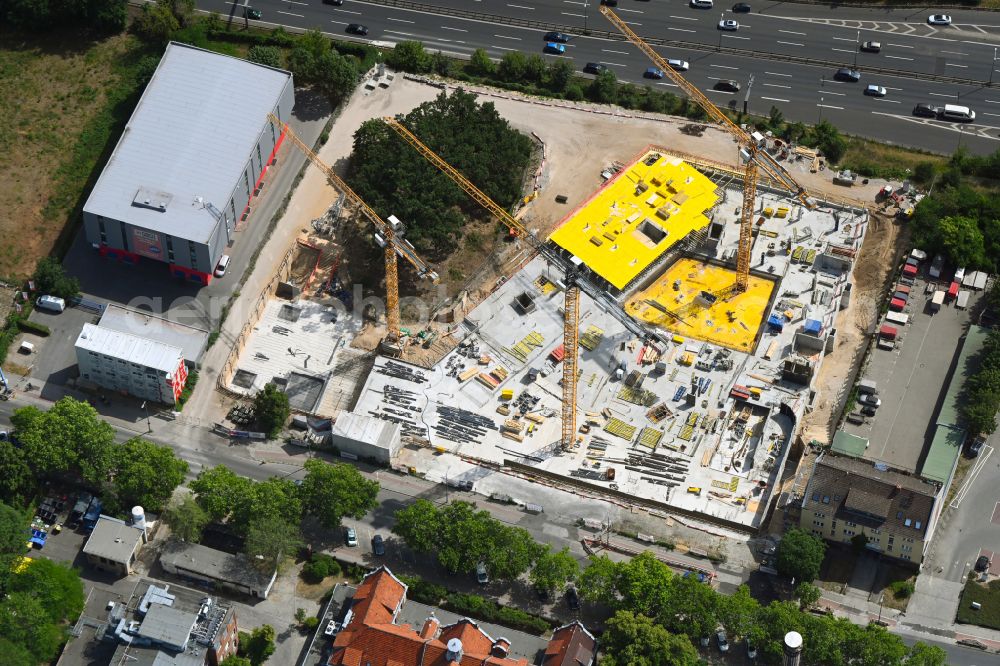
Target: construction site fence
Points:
(660, 41)
(626, 498)
(253, 316)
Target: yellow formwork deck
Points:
(732, 321)
(636, 217)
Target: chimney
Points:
(454, 653)
(501, 648)
(793, 648)
(430, 628)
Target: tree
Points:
(275, 498)
(17, 483)
(271, 540)
(271, 409)
(331, 492)
(644, 584)
(146, 474)
(776, 119)
(24, 621)
(57, 588)
(418, 525)
(265, 55)
(70, 436)
(103, 16)
(599, 582)
(480, 63)
(921, 654)
(50, 278)
(222, 493)
(187, 519)
(553, 569)
(13, 528)
(560, 74)
(604, 88)
(634, 640)
(807, 594)
(235, 660)
(156, 23)
(512, 67)
(691, 607)
(409, 56)
(15, 654)
(314, 62)
(962, 240)
(440, 64)
(257, 645)
(535, 68)
(800, 555)
(829, 141)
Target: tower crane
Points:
(756, 158)
(571, 310)
(387, 234)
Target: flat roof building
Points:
(207, 565)
(114, 545)
(189, 161)
(366, 437)
(131, 364)
(190, 339)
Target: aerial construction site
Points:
(660, 346)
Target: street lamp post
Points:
(820, 105)
(722, 16)
(993, 65)
(857, 48)
(149, 424)
(880, 600)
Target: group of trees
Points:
(37, 597)
(50, 278)
(267, 514)
(473, 138)
(653, 607)
(314, 62)
(71, 441)
(102, 16)
(461, 537)
(981, 398)
(800, 555)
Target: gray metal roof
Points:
(168, 626)
(191, 340)
(215, 564)
(144, 351)
(190, 136)
(113, 539)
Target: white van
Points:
(53, 303)
(962, 114)
(222, 266)
(701, 4)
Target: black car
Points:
(982, 564)
(925, 111)
(741, 8)
(572, 598)
(378, 545)
(252, 13)
(727, 85)
(847, 74)
(610, 3)
(975, 446)
(357, 29)
(868, 410)
(557, 37)
(594, 68)
(335, 3)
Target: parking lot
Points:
(911, 380)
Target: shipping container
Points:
(937, 300)
(888, 332)
(903, 288)
(963, 300)
(953, 290)
(910, 270)
(897, 304)
(897, 318)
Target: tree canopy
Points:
(187, 519)
(270, 540)
(553, 569)
(394, 179)
(271, 409)
(50, 278)
(314, 62)
(800, 555)
(102, 16)
(238, 501)
(70, 436)
(146, 474)
(635, 640)
(960, 221)
(331, 492)
(57, 588)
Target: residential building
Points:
(127, 363)
(114, 545)
(190, 339)
(847, 497)
(223, 570)
(191, 159)
(172, 626)
(371, 631)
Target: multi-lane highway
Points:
(928, 60)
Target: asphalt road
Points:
(802, 92)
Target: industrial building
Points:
(848, 498)
(132, 365)
(189, 162)
(366, 437)
(202, 565)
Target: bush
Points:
(901, 589)
(420, 590)
(319, 567)
(33, 327)
(310, 623)
(476, 606)
(265, 55)
(923, 172)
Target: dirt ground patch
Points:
(316, 591)
(52, 86)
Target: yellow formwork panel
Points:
(637, 217)
(732, 321)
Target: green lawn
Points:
(988, 596)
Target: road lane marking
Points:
(827, 106)
(844, 50)
(289, 13)
(940, 95)
(683, 18)
(792, 32)
(634, 11)
(774, 99)
(899, 46)
(951, 64)
(614, 64)
(898, 57)
(680, 29)
(992, 101)
(500, 48)
(445, 27)
(774, 85)
(778, 74)
(724, 92)
(954, 53)
(347, 11)
(735, 37)
(405, 34)
(845, 39)
(663, 83)
(618, 52)
(887, 101)
(992, 115)
(506, 37)
(724, 66)
(828, 92)
(294, 2)
(632, 23)
(790, 43)
(890, 88)
(521, 7)
(971, 478)
(571, 14)
(399, 20)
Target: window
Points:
(104, 232)
(907, 522)
(889, 548)
(246, 181)
(818, 523)
(260, 163)
(170, 249)
(124, 237)
(849, 533)
(826, 499)
(194, 255)
(916, 525)
(815, 497)
(899, 514)
(850, 524)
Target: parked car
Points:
(222, 266)
(727, 85)
(871, 47)
(572, 598)
(653, 73)
(868, 410)
(720, 637)
(350, 537)
(975, 446)
(982, 564)
(252, 13)
(679, 65)
(875, 91)
(555, 48)
(50, 303)
(847, 74)
(741, 8)
(335, 3)
(610, 3)
(594, 68)
(939, 19)
(926, 110)
(751, 650)
(870, 400)
(378, 545)
(482, 575)
(729, 24)
(560, 37)
(357, 29)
